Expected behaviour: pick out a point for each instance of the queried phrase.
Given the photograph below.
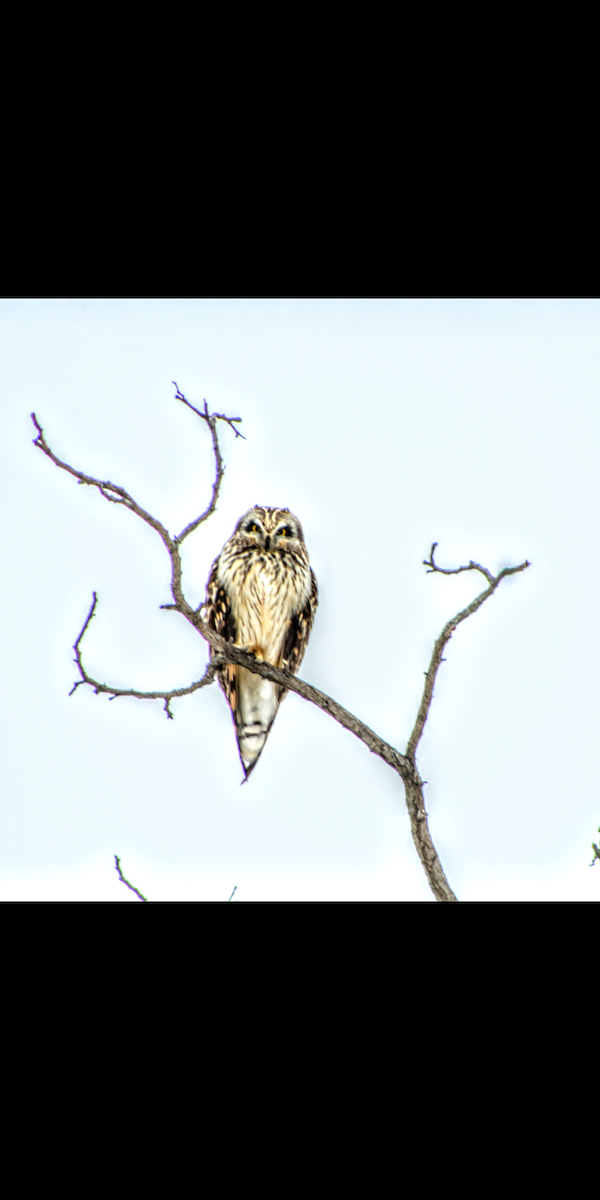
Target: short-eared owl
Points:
(262, 596)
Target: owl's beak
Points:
(267, 542)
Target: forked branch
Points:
(211, 420)
(226, 652)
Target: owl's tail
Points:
(257, 704)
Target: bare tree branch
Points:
(447, 632)
(211, 421)
(126, 881)
(118, 495)
(226, 652)
(215, 416)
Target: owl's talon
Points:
(255, 651)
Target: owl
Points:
(262, 596)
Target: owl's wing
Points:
(296, 638)
(216, 611)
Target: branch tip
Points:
(126, 881)
(207, 416)
(437, 654)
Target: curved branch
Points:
(446, 634)
(114, 692)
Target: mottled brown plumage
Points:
(261, 595)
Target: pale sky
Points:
(384, 425)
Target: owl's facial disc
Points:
(268, 539)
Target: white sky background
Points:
(385, 425)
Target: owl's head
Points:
(270, 528)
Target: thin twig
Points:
(232, 894)
(473, 566)
(126, 881)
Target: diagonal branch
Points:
(446, 634)
(404, 765)
(292, 683)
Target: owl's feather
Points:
(217, 613)
(262, 596)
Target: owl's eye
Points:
(252, 528)
(285, 532)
